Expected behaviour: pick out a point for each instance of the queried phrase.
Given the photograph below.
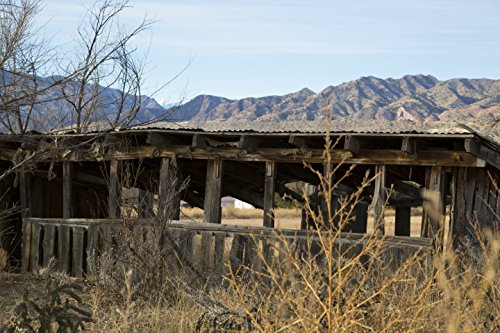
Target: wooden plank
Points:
(67, 189)
(379, 199)
(458, 220)
(114, 191)
(434, 206)
(26, 246)
(48, 243)
(237, 252)
(190, 246)
(269, 186)
(219, 255)
(77, 268)
(427, 157)
(212, 206)
(63, 248)
(93, 248)
(403, 221)
(164, 188)
(206, 250)
(35, 247)
(235, 229)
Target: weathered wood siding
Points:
(476, 201)
(208, 246)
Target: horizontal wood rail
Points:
(207, 245)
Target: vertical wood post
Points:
(163, 187)
(212, 209)
(168, 191)
(463, 183)
(270, 181)
(67, 197)
(403, 221)
(114, 191)
(434, 205)
(379, 198)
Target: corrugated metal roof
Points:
(314, 127)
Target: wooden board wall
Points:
(476, 201)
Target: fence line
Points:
(73, 242)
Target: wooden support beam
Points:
(426, 157)
(164, 187)
(212, 208)
(464, 184)
(269, 186)
(403, 221)
(434, 205)
(113, 191)
(67, 190)
(379, 199)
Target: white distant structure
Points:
(233, 202)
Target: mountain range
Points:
(416, 98)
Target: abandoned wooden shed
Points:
(68, 182)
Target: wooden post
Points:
(78, 243)
(434, 205)
(168, 192)
(163, 187)
(379, 198)
(270, 181)
(464, 184)
(403, 221)
(67, 197)
(212, 208)
(114, 191)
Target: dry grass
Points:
(359, 288)
(241, 213)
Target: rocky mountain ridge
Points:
(417, 98)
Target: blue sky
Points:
(255, 48)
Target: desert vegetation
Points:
(295, 286)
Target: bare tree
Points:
(104, 60)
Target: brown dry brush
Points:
(357, 288)
(320, 284)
